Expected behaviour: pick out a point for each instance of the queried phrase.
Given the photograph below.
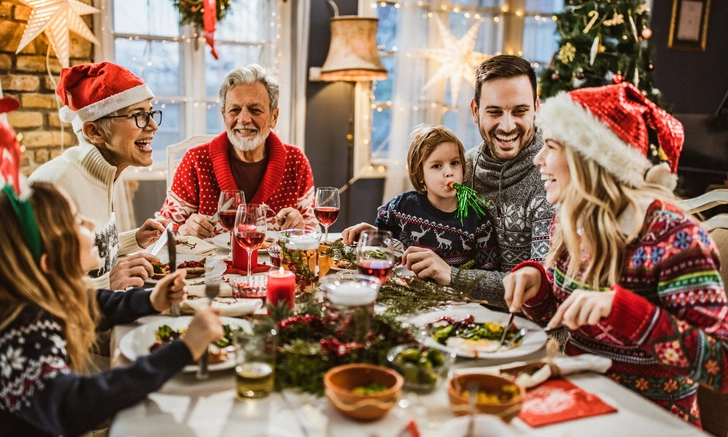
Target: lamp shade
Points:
(353, 52)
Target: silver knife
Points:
(216, 216)
(172, 251)
(505, 330)
(159, 244)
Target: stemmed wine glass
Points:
(227, 208)
(326, 207)
(374, 255)
(250, 226)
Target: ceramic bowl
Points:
(506, 407)
(423, 369)
(341, 380)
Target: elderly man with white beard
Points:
(248, 157)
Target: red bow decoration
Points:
(209, 19)
(9, 148)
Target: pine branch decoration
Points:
(468, 198)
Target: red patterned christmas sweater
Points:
(205, 170)
(668, 329)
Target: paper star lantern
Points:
(56, 18)
(457, 57)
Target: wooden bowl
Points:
(341, 380)
(506, 410)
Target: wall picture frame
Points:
(689, 25)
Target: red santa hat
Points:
(610, 126)
(96, 90)
(9, 148)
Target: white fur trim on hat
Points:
(66, 114)
(110, 104)
(580, 129)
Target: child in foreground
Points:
(48, 316)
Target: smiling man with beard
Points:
(248, 157)
(502, 170)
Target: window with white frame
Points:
(145, 37)
(521, 27)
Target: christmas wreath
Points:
(191, 11)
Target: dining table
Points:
(186, 406)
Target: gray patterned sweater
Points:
(521, 216)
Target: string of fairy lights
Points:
(144, 62)
(468, 13)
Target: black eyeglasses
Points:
(155, 115)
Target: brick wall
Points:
(25, 77)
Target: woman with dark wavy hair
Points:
(48, 315)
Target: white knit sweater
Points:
(84, 173)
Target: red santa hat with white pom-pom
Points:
(96, 90)
(611, 125)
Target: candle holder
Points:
(299, 254)
(349, 301)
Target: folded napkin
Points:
(545, 368)
(559, 400)
(199, 290)
(258, 268)
(187, 245)
(562, 366)
(229, 306)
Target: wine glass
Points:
(374, 256)
(326, 207)
(250, 226)
(227, 208)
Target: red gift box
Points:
(558, 400)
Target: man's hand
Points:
(150, 232)
(290, 218)
(427, 264)
(583, 308)
(197, 226)
(351, 234)
(521, 286)
(132, 271)
(169, 290)
(203, 330)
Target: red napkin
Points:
(558, 400)
(257, 268)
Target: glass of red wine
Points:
(227, 208)
(326, 207)
(250, 226)
(374, 255)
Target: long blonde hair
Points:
(62, 291)
(587, 221)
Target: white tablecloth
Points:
(185, 406)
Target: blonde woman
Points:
(48, 317)
(629, 274)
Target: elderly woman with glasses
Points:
(111, 113)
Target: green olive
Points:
(436, 358)
(409, 372)
(424, 363)
(412, 355)
(427, 376)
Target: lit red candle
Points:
(281, 286)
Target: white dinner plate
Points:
(136, 343)
(222, 240)
(532, 341)
(218, 267)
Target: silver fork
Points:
(211, 291)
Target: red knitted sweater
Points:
(205, 170)
(668, 328)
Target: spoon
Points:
(473, 392)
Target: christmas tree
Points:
(602, 43)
